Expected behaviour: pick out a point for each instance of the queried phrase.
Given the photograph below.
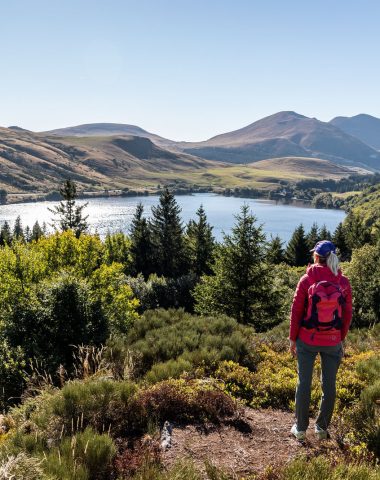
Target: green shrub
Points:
(169, 369)
(84, 456)
(12, 374)
(320, 468)
(238, 380)
(101, 404)
(367, 418)
(165, 335)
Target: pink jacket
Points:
(317, 273)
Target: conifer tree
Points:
(37, 232)
(339, 239)
(297, 251)
(275, 251)
(169, 256)
(18, 231)
(28, 234)
(69, 215)
(324, 234)
(201, 243)
(141, 244)
(242, 285)
(5, 234)
(313, 236)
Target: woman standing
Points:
(320, 318)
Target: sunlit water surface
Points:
(115, 213)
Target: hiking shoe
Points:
(300, 435)
(321, 434)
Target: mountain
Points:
(35, 163)
(365, 127)
(105, 130)
(286, 134)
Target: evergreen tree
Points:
(18, 231)
(297, 251)
(313, 236)
(37, 232)
(339, 239)
(201, 243)
(275, 251)
(169, 256)
(5, 234)
(141, 244)
(70, 216)
(242, 284)
(356, 233)
(28, 234)
(324, 234)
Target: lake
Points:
(115, 213)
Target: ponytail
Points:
(333, 263)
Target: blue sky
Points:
(186, 69)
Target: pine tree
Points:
(297, 251)
(324, 234)
(70, 216)
(313, 236)
(5, 234)
(201, 243)
(18, 231)
(141, 244)
(242, 284)
(169, 256)
(28, 234)
(37, 232)
(339, 239)
(275, 251)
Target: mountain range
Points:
(110, 155)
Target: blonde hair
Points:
(332, 261)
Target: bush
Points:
(84, 456)
(364, 273)
(184, 401)
(21, 467)
(12, 374)
(101, 404)
(320, 468)
(162, 336)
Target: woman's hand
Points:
(293, 348)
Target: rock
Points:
(166, 436)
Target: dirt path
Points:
(260, 439)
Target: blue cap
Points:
(324, 248)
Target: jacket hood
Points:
(318, 272)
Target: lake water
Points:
(115, 213)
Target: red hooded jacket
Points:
(317, 273)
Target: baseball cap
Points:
(324, 248)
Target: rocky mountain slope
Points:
(365, 127)
(286, 134)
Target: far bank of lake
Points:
(115, 213)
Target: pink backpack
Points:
(324, 308)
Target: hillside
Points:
(365, 127)
(106, 129)
(36, 163)
(286, 134)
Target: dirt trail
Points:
(260, 439)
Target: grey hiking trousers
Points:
(331, 357)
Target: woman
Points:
(320, 318)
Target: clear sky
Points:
(186, 69)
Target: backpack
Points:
(324, 307)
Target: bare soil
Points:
(258, 439)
